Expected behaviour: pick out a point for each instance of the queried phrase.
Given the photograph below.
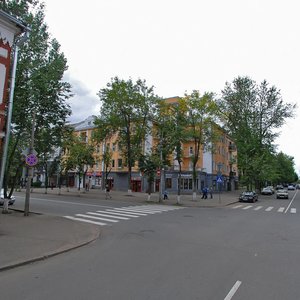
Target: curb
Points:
(48, 255)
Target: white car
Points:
(11, 200)
(291, 188)
(282, 194)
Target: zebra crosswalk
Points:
(281, 209)
(110, 216)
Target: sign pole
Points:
(29, 169)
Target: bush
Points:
(37, 184)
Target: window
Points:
(191, 151)
(168, 183)
(113, 163)
(120, 163)
(113, 147)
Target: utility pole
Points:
(29, 168)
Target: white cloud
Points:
(179, 46)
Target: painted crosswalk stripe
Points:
(146, 210)
(135, 211)
(129, 212)
(280, 209)
(293, 210)
(111, 211)
(247, 207)
(84, 220)
(96, 218)
(258, 207)
(237, 206)
(269, 208)
(107, 215)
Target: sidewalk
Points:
(36, 237)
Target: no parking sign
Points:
(31, 160)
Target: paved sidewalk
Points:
(36, 237)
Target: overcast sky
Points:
(178, 46)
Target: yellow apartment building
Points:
(216, 168)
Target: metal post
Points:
(8, 125)
(30, 170)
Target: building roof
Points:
(88, 123)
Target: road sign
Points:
(31, 160)
(219, 179)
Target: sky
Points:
(180, 46)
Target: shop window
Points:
(168, 183)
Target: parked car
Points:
(11, 200)
(266, 191)
(282, 194)
(248, 196)
(271, 188)
(291, 187)
(279, 187)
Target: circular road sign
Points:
(31, 160)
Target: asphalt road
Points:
(243, 251)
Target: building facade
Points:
(10, 28)
(216, 168)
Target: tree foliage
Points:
(39, 87)
(252, 113)
(126, 108)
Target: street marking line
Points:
(111, 211)
(107, 215)
(132, 211)
(84, 220)
(233, 290)
(293, 210)
(121, 210)
(291, 202)
(247, 207)
(237, 206)
(281, 209)
(258, 207)
(96, 218)
(269, 208)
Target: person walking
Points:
(211, 192)
(165, 195)
(107, 194)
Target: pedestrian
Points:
(211, 192)
(107, 194)
(204, 193)
(165, 195)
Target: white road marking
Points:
(107, 215)
(127, 212)
(96, 218)
(269, 208)
(258, 207)
(135, 211)
(84, 220)
(237, 206)
(247, 207)
(233, 290)
(293, 210)
(281, 209)
(111, 211)
(291, 202)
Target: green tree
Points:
(148, 164)
(202, 115)
(284, 165)
(79, 158)
(126, 106)
(252, 113)
(39, 88)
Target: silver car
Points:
(11, 200)
(282, 194)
